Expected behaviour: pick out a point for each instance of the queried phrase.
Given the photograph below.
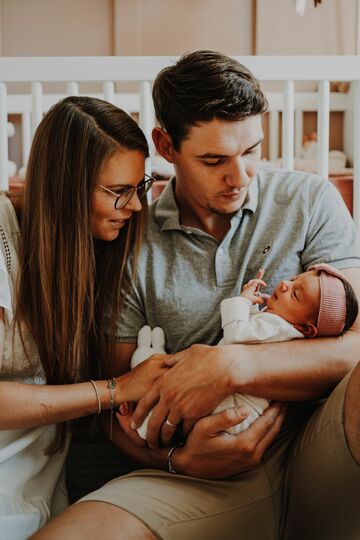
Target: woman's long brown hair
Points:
(71, 286)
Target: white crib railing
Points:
(109, 70)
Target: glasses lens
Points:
(144, 187)
(124, 198)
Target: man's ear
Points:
(308, 329)
(163, 144)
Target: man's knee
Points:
(352, 413)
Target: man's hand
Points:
(198, 381)
(211, 453)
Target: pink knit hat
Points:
(332, 311)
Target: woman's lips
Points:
(118, 222)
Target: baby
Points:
(319, 302)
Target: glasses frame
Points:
(129, 191)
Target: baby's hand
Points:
(251, 291)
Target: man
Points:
(215, 225)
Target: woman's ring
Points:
(170, 424)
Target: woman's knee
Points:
(93, 520)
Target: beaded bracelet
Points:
(111, 384)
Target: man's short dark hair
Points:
(201, 86)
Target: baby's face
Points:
(297, 300)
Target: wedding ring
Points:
(170, 424)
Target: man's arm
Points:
(296, 370)
(299, 370)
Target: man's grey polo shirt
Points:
(289, 221)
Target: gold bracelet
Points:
(111, 384)
(97, 395)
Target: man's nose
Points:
(240, 173)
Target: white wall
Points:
(172, 27)
(327, 29)
(56, 27)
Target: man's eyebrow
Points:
(212, 155)
(254, 145)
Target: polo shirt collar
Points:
(167, 212)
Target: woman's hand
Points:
(134, 384)
(211, 453)
(198, 381)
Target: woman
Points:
(62, 260)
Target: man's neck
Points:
(216, 225)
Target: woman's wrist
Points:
(104, 396)
(121, 390)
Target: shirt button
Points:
(221, 251)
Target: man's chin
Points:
(227, 209)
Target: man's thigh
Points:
(322, 483)
(178, 507)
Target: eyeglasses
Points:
(124, 195)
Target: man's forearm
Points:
(293, 370)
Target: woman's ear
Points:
(163, 144)
(308, 329)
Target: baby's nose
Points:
(284, 286)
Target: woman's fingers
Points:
(171, 360)
(144, 406)
(124, 422)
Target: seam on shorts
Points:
(273, 493)
(167, 528)
(333, 420)
(338, 420)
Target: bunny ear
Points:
(144, 337)
(308, 329)
(158, 338)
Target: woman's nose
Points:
(134, 204)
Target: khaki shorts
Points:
(308, 486)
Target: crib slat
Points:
(288, 126)
(72, 88)
(109, 91)
(4, 148)
(25, 136)
(299, 128)
(36, 94)
(146, 118)
(356, 161)
(273, 135)
(323, 129)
